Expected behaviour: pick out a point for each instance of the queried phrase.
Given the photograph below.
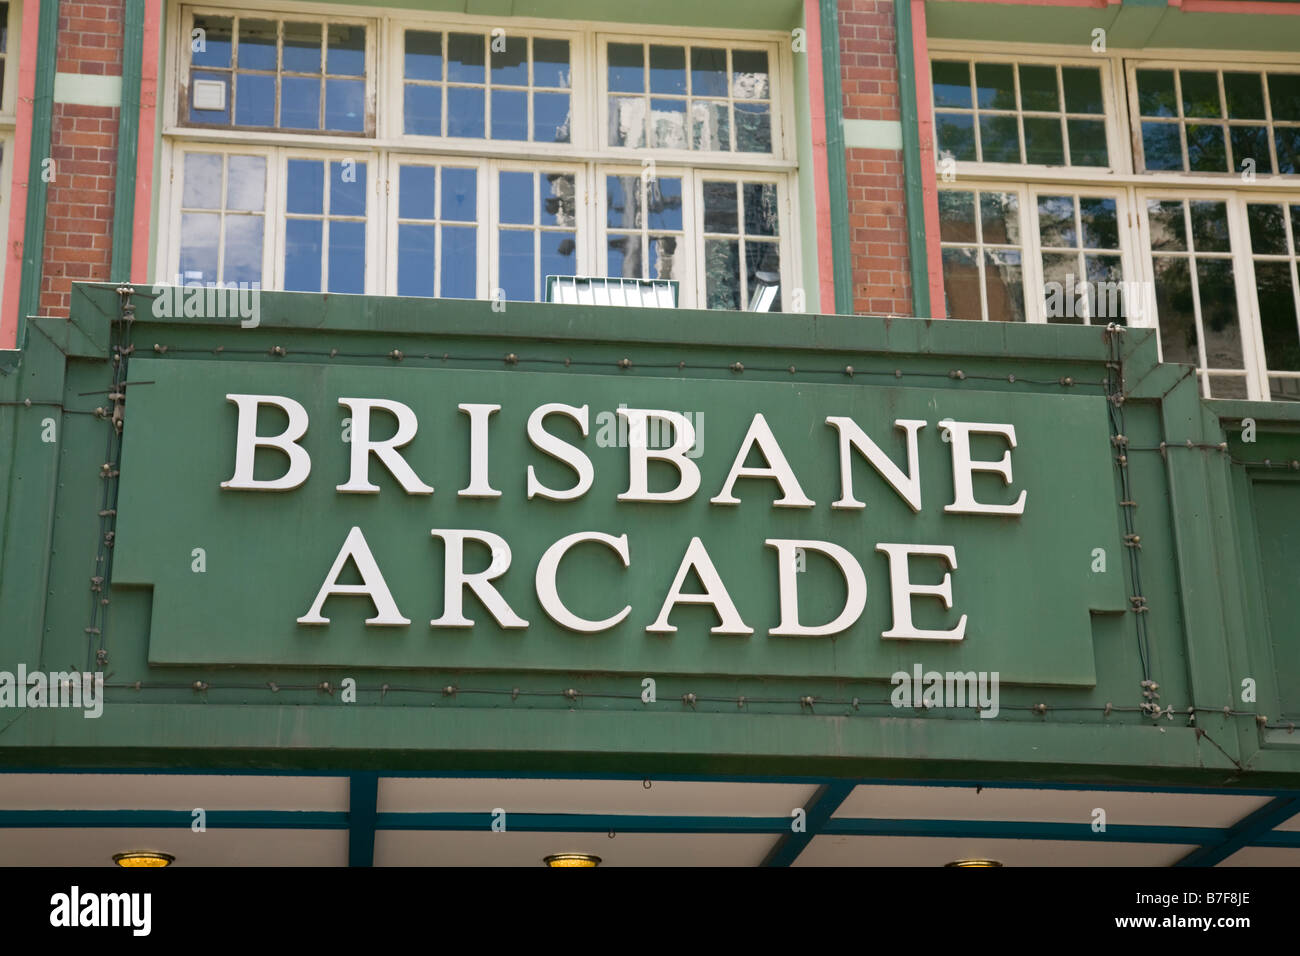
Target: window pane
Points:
(415, 257)
(1218, 289)
(510, 66)
(246, 182)
(348, 188)
(345, 105)
(999, 139)
(1287, 140)
(422, 110)
(459, 262)
(1061, 287)
(1038, 89)
(221, 116)
(509, 114)
(663, 257)
(302, 48)
(722, 273)
(1200, 94)
(516, 264)
(466, 59)
(202, 181)
(243, 252)
(1174, 305)
(626, 67)
(623, 202)
(1210, 227)
(302, 252)
(423, 55)
(1100, 219)
(1082, 89)
(1105, 289)
(627, 121)
(956, 216)
(299, 102)
(720, 213)
(1225, 386)
(708, 72)
(711, 125)
(951, 84)
(1156, 95)
(1056, 222)
(346, 55)
(216, 42)
(347, 257)
(1277, 313)
(465, 112)
(1168, 227)
(1250, 142)
(956, 133)
(516, 198)
(199, 235)
(1087, 143)
(1267, 229)
(257, 44)
(551, 63)
(255, 100)
(1206, 151)
(1043, 143)
(1245, 93)
(664, 202)
(753, 128)
(305, 189)
(459, 195)
(1000, 218)
(961, 284)
(559, 253)
(761, 217)
(624, 256)
(1161, 147)
(668, 70)
(416, 189)
(1004, 285)
(551, 117)
(995, 86)
(668, 124)
(559, 200)
(1284, 96)
(763, 268)
(749, 75)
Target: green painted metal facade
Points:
(191, 683)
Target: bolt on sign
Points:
(415, 518)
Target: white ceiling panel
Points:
(1047, 806)
(485, 848)
(140, 791)
(665, 797)
(95, 847)
(938, 851)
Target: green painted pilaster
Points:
(836, 173)
(915, 196)
(42, 120)
(128, 128)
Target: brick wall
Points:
(876, 181)
(83, 147)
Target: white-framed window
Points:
(221, 216)
(485, 150)
(1182, 221)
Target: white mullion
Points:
(388, 200)
(325, 206)
(221, 229)
(1249, 323)
(1032, 244)
(483, 230)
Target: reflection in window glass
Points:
(437, 231)
(536, 231)
(983, 265)
(1274, 231)
(325, 227)
(742, 253)
(223, 199)
(643, 221)
(1083, 279)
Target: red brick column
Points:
(876, 181)
(83, 147)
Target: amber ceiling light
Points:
(572, 859)
(973, 863)
(143, 858)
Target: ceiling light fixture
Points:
(572, 859)
(973, 863)
(143, 858)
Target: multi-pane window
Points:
(477, 86)
(983, 259)
(689, 97)
(487, 155)
(437, 230)
(1219, 121)
(325, 226)
(1039, 114)
(222, 217)
(252, 72)
(1170, 203)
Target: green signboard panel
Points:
(235, 572)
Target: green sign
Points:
(361, 517)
